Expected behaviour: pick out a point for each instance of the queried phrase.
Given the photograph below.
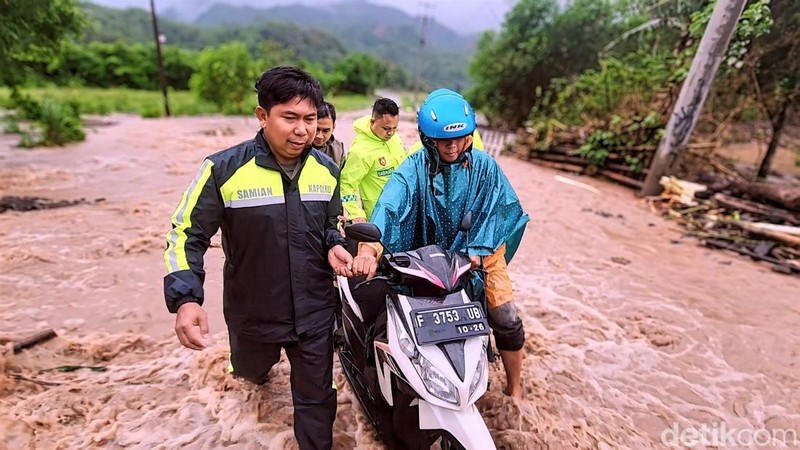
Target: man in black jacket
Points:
(324, 139)
(277, 202)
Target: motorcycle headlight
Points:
(406, 344)
(436, 383)
(408, 347)
(476, 379)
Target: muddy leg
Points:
(512, 363)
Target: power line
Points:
(162, 74)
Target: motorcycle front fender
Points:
(467, 426)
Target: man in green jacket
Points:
(375, 153)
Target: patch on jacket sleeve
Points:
(385, 172)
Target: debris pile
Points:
(722, 220)
(718, 205)
(620, 150)
(13, 203)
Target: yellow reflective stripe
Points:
(230, 362)
(316, 184)
(252, 185)
(316, 197)
(175, 255)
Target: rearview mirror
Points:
(363, 232)
(466, 222)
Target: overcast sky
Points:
(467, 16)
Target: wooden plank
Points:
(752, 227)
(622, 179)
(756, 208)
(576, 160)
(559, 166)
(623, 168)
(35, 339)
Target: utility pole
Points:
(162, 74)
(694, 91)
(426, 18)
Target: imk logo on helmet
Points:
(445, 114)
(453, 127)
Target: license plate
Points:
(449, 323)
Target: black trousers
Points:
(313, 395)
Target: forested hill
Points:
(134, 25)
(359, 24)
(319, 35)
(385, 32)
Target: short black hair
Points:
(283, 83)
(327, 110)
(385, 106)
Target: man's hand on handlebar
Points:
(476, 262)
(366, 262)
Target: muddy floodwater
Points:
(634, 333)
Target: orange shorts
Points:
(498, 283)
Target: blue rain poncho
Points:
(424, 202)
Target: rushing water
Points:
(631, 329)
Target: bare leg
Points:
(512, 362)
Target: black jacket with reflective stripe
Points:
(276, 234)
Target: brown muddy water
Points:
(634, 334)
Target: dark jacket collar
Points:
(265, 158)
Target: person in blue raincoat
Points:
(426, 198)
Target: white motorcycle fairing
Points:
(415, 350)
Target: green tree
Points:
(180, 64)
(399, 78)
(629, 85)
(538, 42)
(504, 65)
(121, 64)
(775, 67)
(359, 73)
(34, 31)
(225, 76)
(272, 53)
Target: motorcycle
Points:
(414, 346)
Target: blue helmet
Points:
(445, 114)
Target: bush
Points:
(25, 105)
(106, 101)
(152, 111)
(12, 126)
(60, 123)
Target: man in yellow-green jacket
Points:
(375, 153)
